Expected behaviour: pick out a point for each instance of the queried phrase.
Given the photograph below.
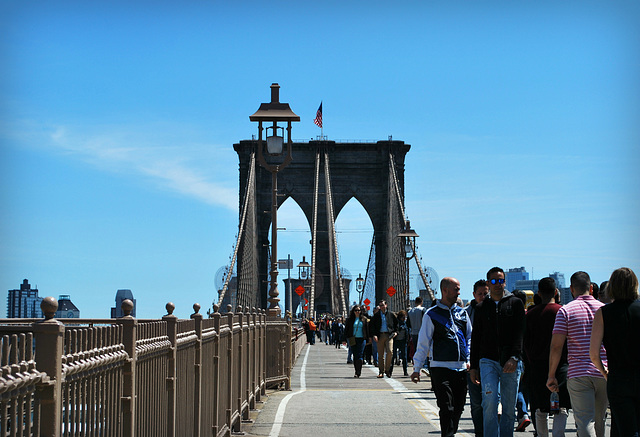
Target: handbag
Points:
(352, 341)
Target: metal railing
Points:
(129, 377)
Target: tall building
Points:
(514, 275)
(121, 295)
(66, 308)
(559, 278)
(24, 302)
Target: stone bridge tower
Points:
(358, 170)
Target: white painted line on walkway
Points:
(279, 419)
(430, 412)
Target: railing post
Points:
(49, 335)
(230, 356)
(129, 339)
(263, 350)
(288, 353)
(197, 383)
(240, 360)
(172, 334)
(256, 359)
(216, 376)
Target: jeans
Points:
(358, 353)
(589, 402)
(475, 399)
(400, 351)
(498, 386)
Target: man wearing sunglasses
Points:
(496, 353)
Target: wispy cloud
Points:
(166, 159)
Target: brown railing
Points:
(129, 377)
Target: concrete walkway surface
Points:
(327, 400)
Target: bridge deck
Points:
(327, 400)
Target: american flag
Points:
(318, 120)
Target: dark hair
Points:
(596, 290)
(623, 284)
(547, 287)
(478, 284)
(382, 300)
(418, 300)
(520, 295)
(581, 282)
(401, 313)
(494, 270)
(537, 299)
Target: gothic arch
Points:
(360, 170)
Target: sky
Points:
(118, 119)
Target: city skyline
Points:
(117, 125)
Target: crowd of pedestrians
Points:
(512, 360)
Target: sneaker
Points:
(425, 371)
(523, 423)
(380, 375)
(349, 362)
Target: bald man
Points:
(445, 335)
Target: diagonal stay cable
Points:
(332, 224)
(245, 205)
(392, 169)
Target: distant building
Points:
(527, 284)
(514, 275)
(121, 295)
(559, 278)
(24, 302)
(66, 308)
(565, 295)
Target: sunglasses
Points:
(497, 281)
(356, 310)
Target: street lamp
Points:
(303, 273)
(274, 112)
(360, 287)
(408, 238)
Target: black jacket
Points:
(348, 328)
(376, 322)
(497, 332)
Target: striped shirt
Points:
(575, 320)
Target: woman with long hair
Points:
(357, 333)
(617, 326)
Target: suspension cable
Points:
(245, 205)
(332, 224)
(311, 304)
(404, 220)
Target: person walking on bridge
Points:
(445, 334)
(384, 328)
(357, 333)
(496, 354)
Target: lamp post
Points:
(303, 274)
(360, 287)
(274, 112)
(408, 238)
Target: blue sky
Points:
(117, 121)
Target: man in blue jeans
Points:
(496, 354)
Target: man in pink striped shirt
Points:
(587, 387)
